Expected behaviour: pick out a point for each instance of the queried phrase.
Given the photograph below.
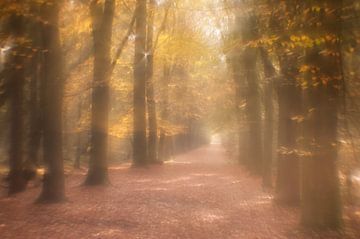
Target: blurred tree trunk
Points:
(140, 144)
(151, 104)
(102, 19)
(234, 65)
(249, 58)
(36, 75)
(289, 100)
(321, 205)
(269, 72)
(16, 74)
(79, 146)
(53, 189)
(77, 161)
(165, 141)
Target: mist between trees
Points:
(88, 84)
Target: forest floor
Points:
(198, 195)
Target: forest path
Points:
(199, 195)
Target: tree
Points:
(234, 66)
(269, 73)
(288, 98)
(36, 72)
(53, 189)
(102, 18)
(139, 140)
(16, 82)
(248, 60)
(289, 103)
(321, 205)
(165, 144)
(79, 146)
(150, 94)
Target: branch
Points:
(270, 71)
(162, 28)
(126, 5)
(123, 42)
(86, 54)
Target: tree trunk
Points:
(234, 64)
(288, 171)
(248, 60)
(36, 75)
(102, 19)
(269, 72)
(150, 94)
(140, 145)
(165, 142)
(79, 146)
(53, 189)
(321, 205)
(253, 111)
(16, 76)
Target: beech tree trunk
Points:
(16, 74)
(150, 94)
(253, 111)
(140, 144)
(165, 141)
(36, 77)
(269, 72)
(234, 64)
(321, 205)
(287, 189)
(102, 19)
(288, 165)
(53, 189)
(79, 146)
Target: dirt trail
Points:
(198, 195)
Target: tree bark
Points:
(287, 189)
(36, 77)
(140, 144)
(288, 165)
(16, 81)
(253, 111)
(53, 189)
(79, 146)
(321, 205)
(102, 19)
(269, 72)
(150, 94)
(165, 141)
(234, 64)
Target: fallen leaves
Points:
(198, 195)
